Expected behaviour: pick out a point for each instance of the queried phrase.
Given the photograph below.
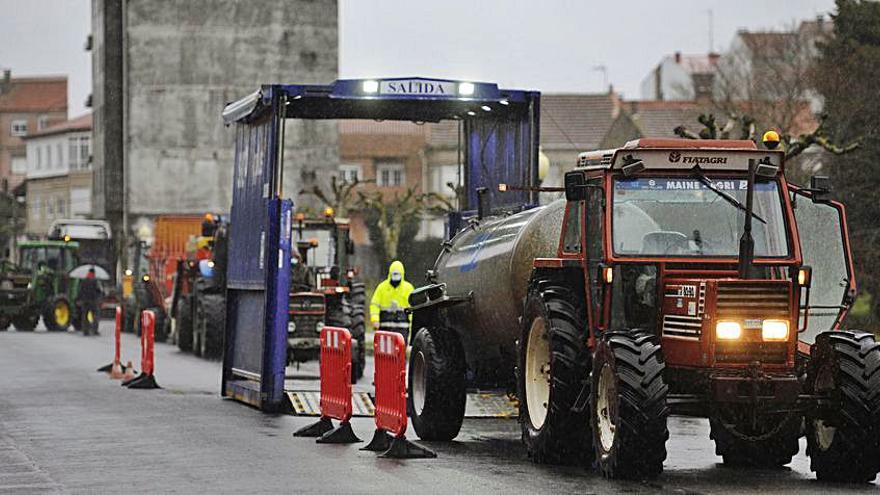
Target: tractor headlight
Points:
(774, 330)
(728, 330)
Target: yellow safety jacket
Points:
(385, 293)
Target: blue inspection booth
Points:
(498, 136)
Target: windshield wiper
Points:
(727, 197)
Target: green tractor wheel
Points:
(58, 315)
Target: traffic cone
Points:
(129, 372)
(116, 372)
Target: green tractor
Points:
(39, 286)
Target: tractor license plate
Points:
(291, 327)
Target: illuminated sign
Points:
(417, 87)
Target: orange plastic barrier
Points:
(335, 390)
(389, 356)
(115, 367)
(336, 373)
(148, 328)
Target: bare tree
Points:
(341, 196)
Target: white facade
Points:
(58, 154)
(667, 81)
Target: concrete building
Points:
(162, 73)
(59, 174)
(27, 105)
(681, 77)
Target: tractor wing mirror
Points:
(575, 186)
(820, 186)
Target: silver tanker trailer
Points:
(470, 312)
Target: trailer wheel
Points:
(771, 444)
(57, 314)
(359, 357)
(436, 391)
(184, 324)
(213, 311)
(25, 323)
(554, 364)
(843, 440)
(628, 406)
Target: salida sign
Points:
(417, 87)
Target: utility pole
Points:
(711, 30)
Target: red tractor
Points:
(677, 277)
(324, 290)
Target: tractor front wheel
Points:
(26, 322)
(628, 406)
(57, 315)
(843, 440)
(553, 367)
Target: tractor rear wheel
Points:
(771, 444)
(628, 406)
(554, 364)
(843, 441)
(25, 323)
(436, 390)
(213, 315)
(57, 315)
(184, 324)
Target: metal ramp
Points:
(479, 404)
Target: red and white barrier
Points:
(335, 389)
(146, 379)
(389, 354)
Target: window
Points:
(390, 175)
(19, 128)
(572, 240)
(59, 159)
(60, 206)
(39, 158)
(48, 157)
(441, 177)
(85, 152)
(350, 173)
(19, 165)
(80, 201)
(73, 153)
(42, 122)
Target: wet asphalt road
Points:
(66, 429)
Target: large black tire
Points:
(628, 408)
(436, 394)
(26, 322)
(213, 313)
(553, 348)
(57, 314)
(5, 322)
(772, 444)
(184, 324)
(358, 331)
(843, 440)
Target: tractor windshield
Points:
(675, 216)
(321, 255)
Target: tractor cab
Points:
(703, 244)
(324, 288)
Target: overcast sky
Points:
(549, 45)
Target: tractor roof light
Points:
(146, 278)
(313, 242)
(66, 237)
(770, 139)
(328, 212)
(300, 217)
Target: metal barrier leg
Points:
(401, 448)
(341, 434)
(380, 443)
(315, 429)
